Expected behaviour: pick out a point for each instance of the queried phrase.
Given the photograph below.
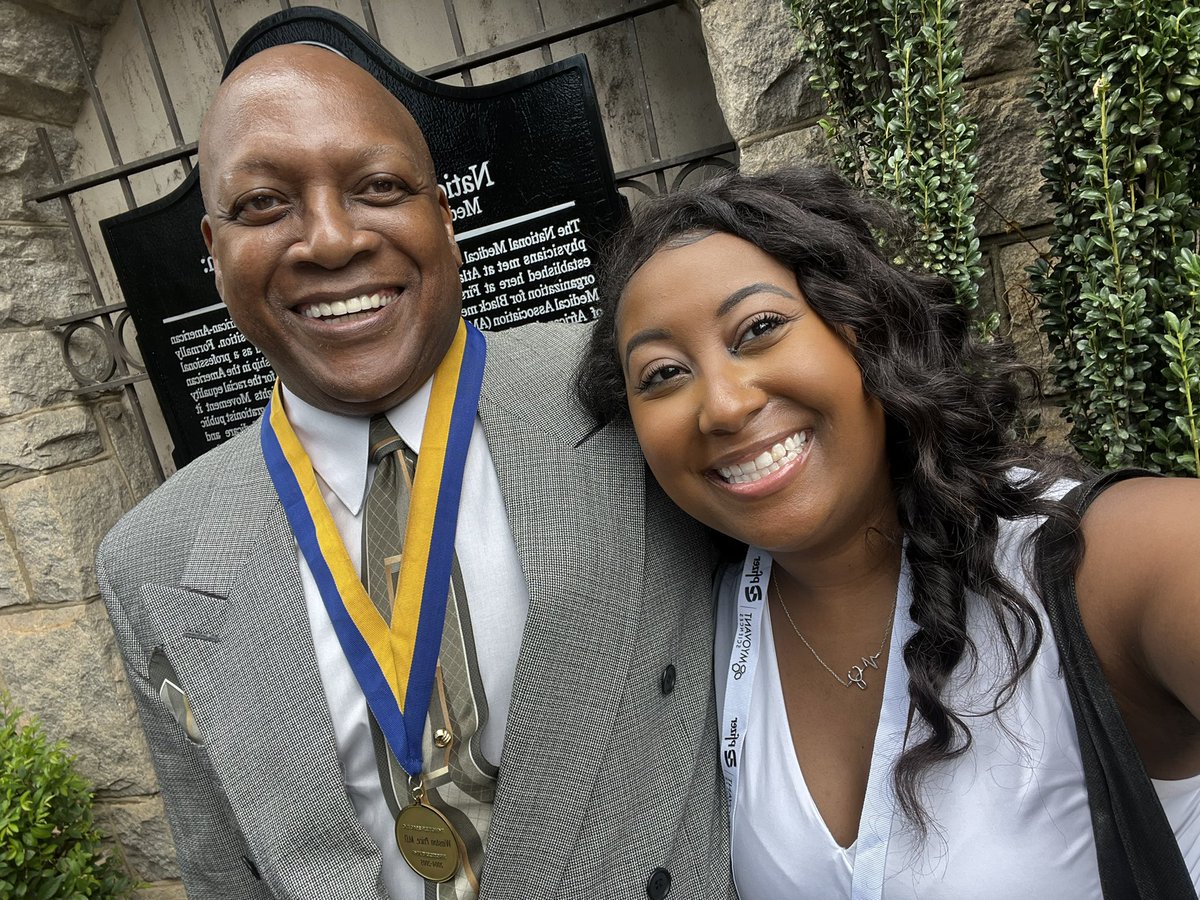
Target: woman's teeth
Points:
(348, 307)
(766, 462)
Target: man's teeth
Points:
(347, 307)
(766, 462)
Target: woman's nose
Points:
(730, 401)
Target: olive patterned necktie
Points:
(459, 781)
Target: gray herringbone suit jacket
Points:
(605, 776)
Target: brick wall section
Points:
(772, 113)
(68, 467)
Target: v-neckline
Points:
(889, 728)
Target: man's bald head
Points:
(282, 71)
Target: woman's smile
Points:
(763, 472)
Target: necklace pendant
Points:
(855, 677)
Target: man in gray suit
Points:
(588, 592)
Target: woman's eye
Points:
(760, 326)
(659, 376)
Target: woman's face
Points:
(750, 409)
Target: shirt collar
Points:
(337, 444)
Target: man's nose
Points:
(332, 233)
(730, 401)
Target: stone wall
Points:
(68, 466)
(772, 113)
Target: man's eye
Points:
(257, 207)
(382, 188)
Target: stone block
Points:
(761, 81)
(1024, 314)
(161, 892)
(990, 38)
(46, 440)
(36, 101)
(57, 520)
(139, 826)
(129, 447)
(1010, 157)
(40, 276)
(802, 147)
(32, 372)
(92, 12)
(24, 169)
(40, 76)
(62, 665)
(13, 589)
(1056, 430)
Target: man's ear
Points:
(206, 231)
(448, 221)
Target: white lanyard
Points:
(743, 661)
(875, 825)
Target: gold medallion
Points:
(428, 842)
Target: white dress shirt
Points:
(497, 594)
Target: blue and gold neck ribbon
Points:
(394, 666)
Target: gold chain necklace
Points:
(854, 675)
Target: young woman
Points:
(894, 720)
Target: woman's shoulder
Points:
(1137, 586)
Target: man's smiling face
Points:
(332, 242)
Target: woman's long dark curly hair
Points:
(952, 408)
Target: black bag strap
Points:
(1135, 846)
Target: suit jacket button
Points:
(667, 681)
(659, 884)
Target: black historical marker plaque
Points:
(525, 166)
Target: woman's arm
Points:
(1139, 596)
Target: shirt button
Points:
(667, 681)
(659, 884)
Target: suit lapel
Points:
(572, 670)
(245, 654)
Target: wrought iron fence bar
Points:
(550, 36)
(90, 314)
(160, 79)
(121, 171)
(218, 33)
(460, 49)
(110, 137)
(682, 160)
(127, 382)
(369, 18)
(547, 56)
(647, 110)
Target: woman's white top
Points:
(1011, 815)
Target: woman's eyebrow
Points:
(645, 336)
(759, 287)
